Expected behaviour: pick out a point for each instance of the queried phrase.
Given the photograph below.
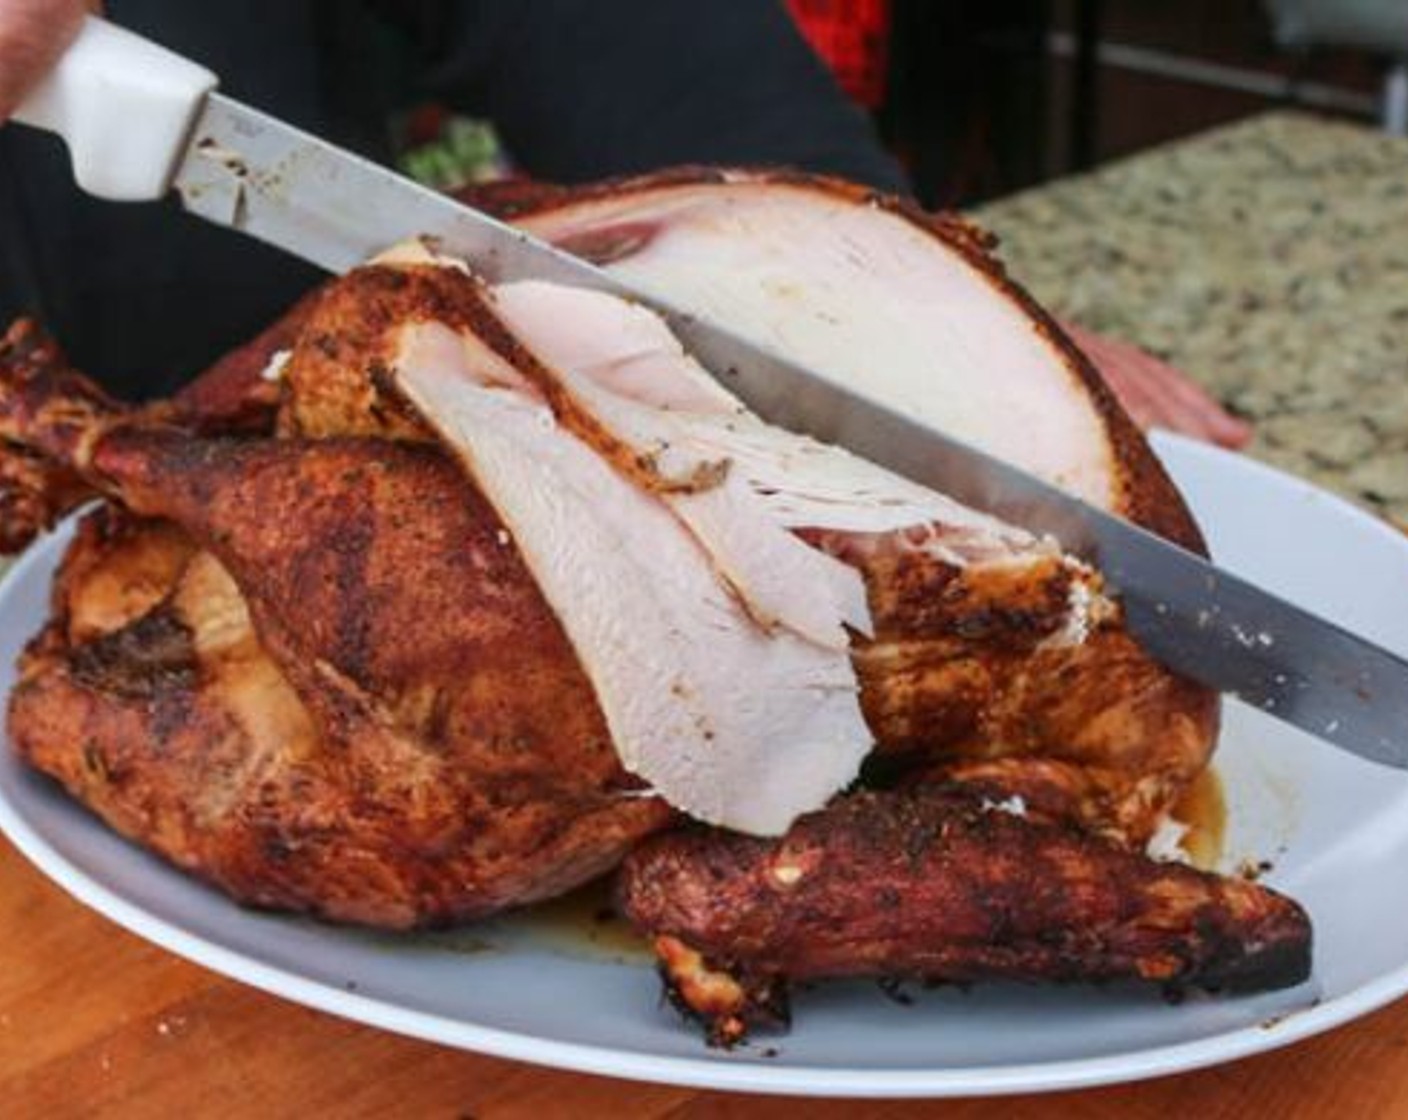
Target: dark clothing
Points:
(143, 296)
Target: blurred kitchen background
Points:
(985, 97)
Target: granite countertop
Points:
(1268, 259)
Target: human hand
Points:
(33, 34)
(1157, 395)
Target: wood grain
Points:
(95, 1022)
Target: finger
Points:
(1167, 406)
(1203, 419)
(1112, 362)
(33, 34)
(1230, 431)
(1132, 395)
(1187, 402)
(1156, 393)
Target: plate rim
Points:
(710, 1071)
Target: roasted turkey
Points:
(441, 597)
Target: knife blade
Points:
(241, 168)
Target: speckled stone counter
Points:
(1269, 260)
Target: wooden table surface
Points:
(96, 1022)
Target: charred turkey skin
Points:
(941, 884)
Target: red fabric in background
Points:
(852, 37)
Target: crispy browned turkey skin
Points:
(941, 884)
(311, 665)
(389, 798)
(319, 679)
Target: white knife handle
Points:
(124, 106)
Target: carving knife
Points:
(141, 122)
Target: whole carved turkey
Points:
(441, 598)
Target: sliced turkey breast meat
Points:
(906, 306)
(736, 726)
(657, 516)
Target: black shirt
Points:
(143, 296)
